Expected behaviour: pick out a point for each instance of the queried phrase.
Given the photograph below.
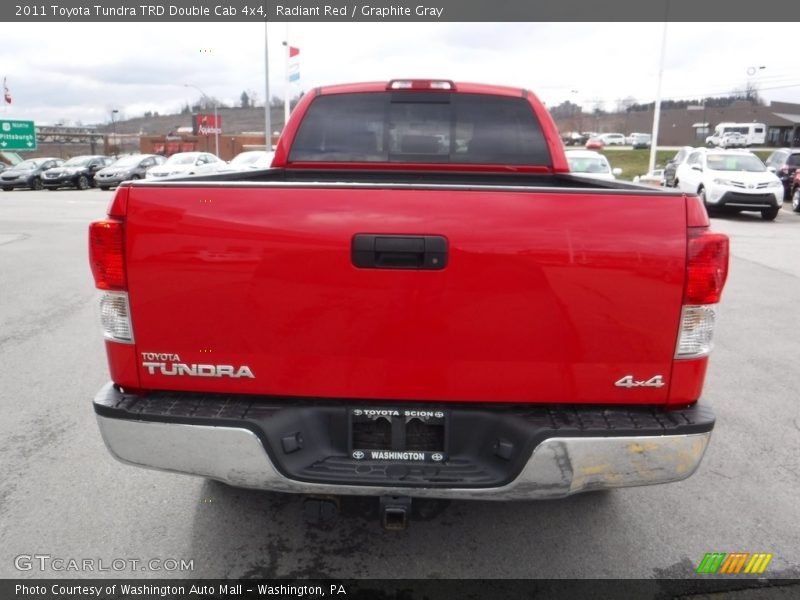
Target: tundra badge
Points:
(170, 365)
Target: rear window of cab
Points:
(420, 127)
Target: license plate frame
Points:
(427, 443)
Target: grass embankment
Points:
(634, 162)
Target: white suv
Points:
(733, 180)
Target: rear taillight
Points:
(107, 254)
(706, 266)
(107, 258)
(706, 272)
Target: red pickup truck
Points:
(417, 300)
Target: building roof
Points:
(789, 117)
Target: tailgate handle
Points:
(424, 252)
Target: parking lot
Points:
(62, 495)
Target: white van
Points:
(755, 133)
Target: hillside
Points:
(234, 120)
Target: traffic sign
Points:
(17, 135)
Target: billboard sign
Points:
(206, 124)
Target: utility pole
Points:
(267, 114)
(114, 129)
(657, 107)
(752, 90)
(216, 120)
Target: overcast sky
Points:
(81, 71)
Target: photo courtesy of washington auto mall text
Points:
(75, 590)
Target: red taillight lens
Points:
(106, 254)
(707, 266)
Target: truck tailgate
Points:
(546, 295)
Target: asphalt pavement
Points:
(63, 496)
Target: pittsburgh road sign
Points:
(17, 135)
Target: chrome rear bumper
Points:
(558, 466)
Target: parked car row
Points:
(597, 141)
(78, 172)
(82, 172)
(600, 141)
(204, 163)
(27, 174)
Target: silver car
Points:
(126, 168)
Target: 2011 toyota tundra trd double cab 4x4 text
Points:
(417, 300)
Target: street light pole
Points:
(216, 129)
(216, 120)
(60, 142)
(114, 129)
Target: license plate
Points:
(398, 434)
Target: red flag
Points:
(293, 51)
(6, 92)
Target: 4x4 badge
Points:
(628, 381)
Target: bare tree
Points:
(624, 104)
(565, 109)
(749, 91)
